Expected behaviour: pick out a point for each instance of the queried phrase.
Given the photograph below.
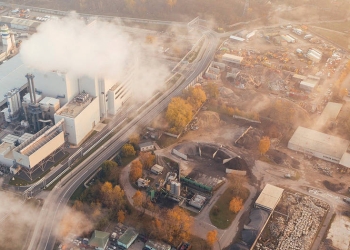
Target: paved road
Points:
(43, 235)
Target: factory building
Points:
(320, 145)
(232, 58)
(36, 151)
(81, 115)
(127, 238)
(20, 23)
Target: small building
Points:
(142, 182)
(127, 238)
(146, 146)
(156, 245)
(232, 58)
(329, 113)
(307, 85)
(237, 38)
(269, 197)
(99, 240)
(157, 169)
(197, 201)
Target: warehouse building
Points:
(320, 145)
(269, 198)
(80, 116)
(232, 58)
(157, 169)
(329, 113)
(20, 23)
(99, 240)
(146, 146)
(127, 238)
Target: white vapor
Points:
(101, 49)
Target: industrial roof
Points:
(237, 38)
(10, 138)
(157, 168)
(319, 142)
(232, 57)
(5, 147)
(345, 160)
(99, 239)
(269, 197)
(157, 245)
(128, 236)
(49, 101)
(24, 137)
(330, 112)
(146, 144)
(19, 21)
(74, 108)
(308, 84)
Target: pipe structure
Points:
(28, 76)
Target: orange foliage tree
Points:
(264, 145)
(128, 150)
(147, 159)
(121, 216)
(178, 114)
(196, 97)
(135, 170)
(236, 204)
(212, 237)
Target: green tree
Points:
(179, 113)
(128, 150)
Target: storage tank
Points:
(177, 189)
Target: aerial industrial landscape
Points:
(150, 125)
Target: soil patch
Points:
(335, 187)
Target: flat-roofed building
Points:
(269, 197)
(329, 113)
(80, 116)
(232, 58)
(127, 238)
(156, 245)
(320, 145)
(35, 150)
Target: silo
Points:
(177, 188)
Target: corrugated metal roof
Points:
(319, 142)
(330, 112)
(269, 197)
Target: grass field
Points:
(220, 215)
(337, 26)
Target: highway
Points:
(44, 236)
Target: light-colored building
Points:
(146, 146)
(232, 58)
(35, 150)
(269, 197)
(127, 238)
(329, 113)
(99, 240)
(197, 201)
(157, 169)
(307, 85)
(156, 245)
(320, 145)
(6, 156)
(80, 116)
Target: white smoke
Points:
(101, 49)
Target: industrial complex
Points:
(53, 108)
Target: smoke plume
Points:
(98, 49)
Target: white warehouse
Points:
(81, 115)
(320, 145)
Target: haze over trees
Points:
(264, 145)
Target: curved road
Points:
(44, 236)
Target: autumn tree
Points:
(138, 200)
(213, 90)
(196, 96)
(236, 204)
(121, 216)
(171, 3)
(150, 39)
(112, 197)
(134, 139)
(128, 150)
(135, 170)
(177, 225)
(212, 237)
(147, 159)
(178, 114)
(264, 145)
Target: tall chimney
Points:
(29, 87)
(33, 88)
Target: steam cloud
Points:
(100, 49)
(21, 217)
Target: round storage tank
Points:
(177, 189)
